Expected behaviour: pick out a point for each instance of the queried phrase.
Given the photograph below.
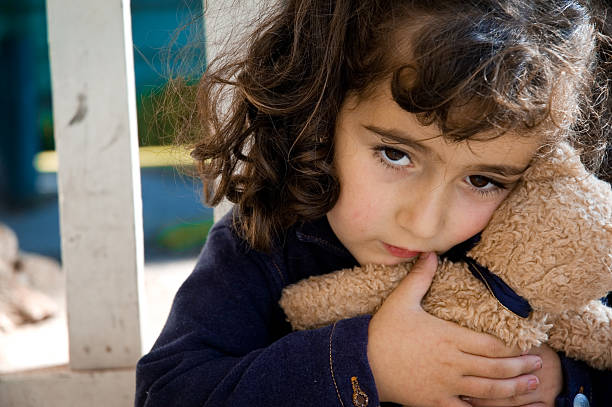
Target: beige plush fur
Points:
(550, 240)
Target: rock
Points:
(9, 248)
(26, 283)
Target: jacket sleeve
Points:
(595, 386)
(221, 345)
(584, 382)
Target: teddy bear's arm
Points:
(321, 300)
(585, 334)
(455, 295)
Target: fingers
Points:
(417, 282)
(484, 388)
(456, 402)
(484, 345)
(509, 402)
(501, 368)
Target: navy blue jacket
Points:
(227, 343)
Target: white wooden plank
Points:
(61, 387)
(227, 21)
(221, 209)
(94, 110)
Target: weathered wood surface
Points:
(63, 387)
(94, 107)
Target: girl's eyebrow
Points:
(504, 170)
(402, 138)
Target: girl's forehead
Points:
(377, 113)
(378, 100)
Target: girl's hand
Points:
(420, 360)
(551, 383)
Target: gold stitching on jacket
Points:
(360, 399)
(331, 364)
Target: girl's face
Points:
(403, 192)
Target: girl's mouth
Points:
(401, 252)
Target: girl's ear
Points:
(551, 239)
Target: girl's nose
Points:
(423, 214)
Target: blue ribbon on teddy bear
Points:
(496, 286)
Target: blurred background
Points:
(168, 40)
(175, 221)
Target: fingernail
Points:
(532, 384)
(538, 364)
(425, 255)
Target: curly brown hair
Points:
(517, 65)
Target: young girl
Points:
(375, 131)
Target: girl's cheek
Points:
(359, 217)
(473, 219)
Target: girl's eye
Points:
(484, 185)
(479, 181)
(395, 157)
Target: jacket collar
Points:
(320, 233)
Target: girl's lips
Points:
(401, 252)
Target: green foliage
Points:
(185, 236)
(163, 113)
(45, 125)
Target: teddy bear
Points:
(534, 275)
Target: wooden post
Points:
(94, 106)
